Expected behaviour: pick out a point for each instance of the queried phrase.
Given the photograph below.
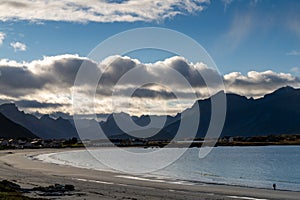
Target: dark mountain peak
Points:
(9, 106)
(110, 117)
(10, 129)
(59, 119)
(46, 117)
(284, 90)
(235, 96)
(11, 109)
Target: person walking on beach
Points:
(274, 186)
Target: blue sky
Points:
(255, 44)
(240, 36)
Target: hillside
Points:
(12, 130)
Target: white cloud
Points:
(293, 53)
(257, 84)
(96, 10)
(18, 46)
(2, 37)
(45, 85)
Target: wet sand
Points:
(92, 184)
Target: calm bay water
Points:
(246, 166)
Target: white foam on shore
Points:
(140, 178)
(48, 158)
(93, 181)
(55, 159)
(182, 183)
(155, 180)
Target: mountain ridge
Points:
(12, 130)
(275, 113)
(45, 127)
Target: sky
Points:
(255, 45)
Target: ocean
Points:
(258, 167)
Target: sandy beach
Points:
(92, 184)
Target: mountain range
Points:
(275, 113)
(12, 130)
(44, 127)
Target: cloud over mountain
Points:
(257, 84)
(50, 81)
(97, 11)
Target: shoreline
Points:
(148, 177)
(27, 172)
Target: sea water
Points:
(258, 167)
